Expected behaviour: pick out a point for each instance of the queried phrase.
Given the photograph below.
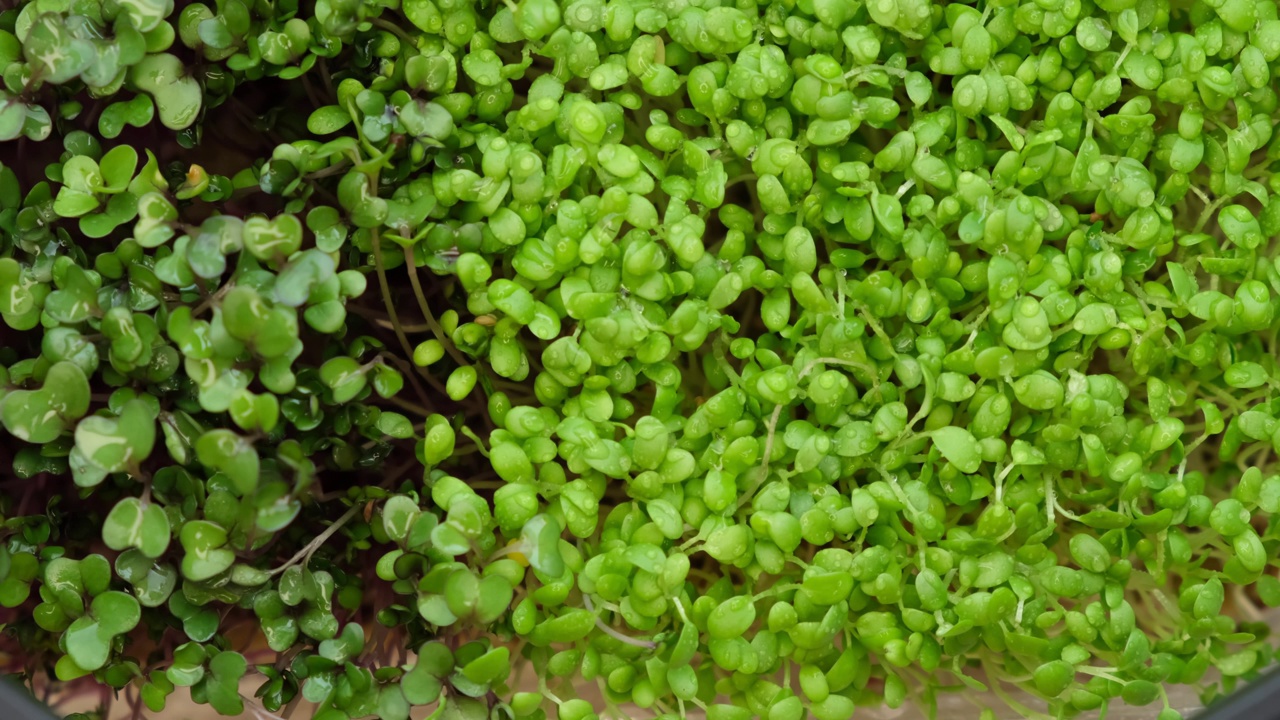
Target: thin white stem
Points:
(1120, 60)
(772, 425)
(626, 639)
(319, 540)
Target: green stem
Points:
(430, 317)
(1208, 212)
(381, 268)
(474, 438)
(410, 406)
(394, 30)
